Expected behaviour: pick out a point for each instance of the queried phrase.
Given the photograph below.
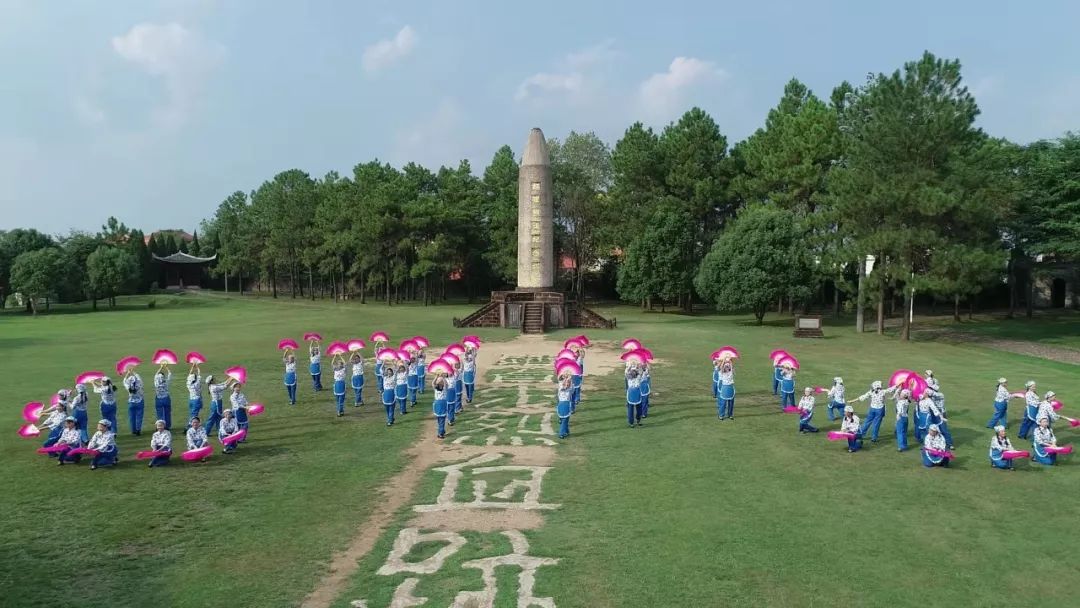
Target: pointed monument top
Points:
(536, 150)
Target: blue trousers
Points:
(108, 412)
(401, 392)
(839, 410)
(136, 410)
(64, 457)
(388, 403)
(901, 433)
(214, 420)
(805, 426)
(1001, 463)
(81, 422)
(163, 409)
(54, 436)
(944, 428)
(725, 408)
(1047, 459)
(290, 389)
(855, 443)
(194, 407)
(412, 396)
(1000, 414)
(106, 458)
(420, 376)
(775, 386)
(633, 413)
(469, 388)
(340, 402)
(159, 461)
(644, 405)
(787, 399)
(316, 382)
(933, 461)
(873, 419)
(715, 389)
(1026, 426)
(359, 390)
(440, 426)
(564, 426)
(451, 411)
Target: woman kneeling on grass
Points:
(71, 438)
(104, 441)
(1042, 439)
(850, 424)
(934, 449)
(196, 435)
(1000, 444)
(228, 427)
(806, 411)
(160, 441)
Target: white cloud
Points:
(384, 53)
(180, 57)
(664, 92)
(574, 79)
(544, 82)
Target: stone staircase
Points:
(486, 316)
(532, 321)
(587, 318)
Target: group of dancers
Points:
(67, 418)
(926, 401)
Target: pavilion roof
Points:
(183, 258)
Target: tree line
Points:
(882, 193)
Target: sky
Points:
(155, 110)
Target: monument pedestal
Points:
(533, 312)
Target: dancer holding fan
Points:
(104, 443)
(837, 401)
(1031, 409)
(468, 373)
(196, 435)
(850, 425)
(290, 375)
(935, 450)
(162, 398)
(439, 406)
(999, 444)
(136, 402)
(401, 386)
(903, 404)
(1044, 443)
(876, 413)
(646, 388)
(78, 411)
(357, 361)
(160, 441)
(452, 396)
(70, 438)
(217, 402)
(787, 386)
(1001, 405)
(564, 394)
(806, 411)
(194, 386)
(228, 426)
(388, 392)
(338, 365)
(633, 396)
(413, 381)
(725, 397)
(315, 366)
(421, 368)
(104, 387)
(239, 403)
(55, 422)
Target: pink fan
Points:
(1072, 421)
(337, 348)
(165, 356)
(53, 449)
(1065, 449)
(789, 361)
(839, 436)
(409, 345)
(123, 365)
(567, 367)
(471, 337)
(380, 336)
(1057, 405)
(355, 345)
(195, 357)
(29, 430)
(918, 386)
(901, 376)
(456, 349)
(1014, 454)
(255, 409)
(312, 337)
(473, 344)
(421, 341)
(725, 353)
(287, 344)
(820, 389)
(791, 409)
(631, 344)
(940, 453)
(55, 400)
(232, 439)
(83, 452)
(584, 340)
(634, 356)
(148, 454)
(778, 354)
(566, 353)
(198, 453)
(574, 343)
(1018, 395)
(440, 366)
(451, 358)
(387, 354)
(32, 411)
(237, 373)
(85, 377)
(404, 355)
(645, 353)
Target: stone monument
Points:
(534, 305)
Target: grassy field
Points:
(686, 511)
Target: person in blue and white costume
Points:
(563, 395)
(388, 393)
(439, 406)
(413, 381)
(777, 378)
(936, 395)
(577, 378)
(837, 400)
(239, 402)
(806, 411)
(56, 419)
(938, 418)
(725, 396)
(926, 413)
(162, 398)
(934, 442)
(315, 365)
(78, 411)
(338, 364)
(715, 380)
(1031, 409)
(1043, 438)
(104, 441)
(1046, 408)
(451, 396)
(850, 424)
(196, 436)
(378, 360)
(107, 390)
(421, 371)
(357, 361)
(468, 373)
(459, 390)
(160, 441)
(633, 396)
(71, 438)
(876, 414)
(401, 387)
(999, 444)
(217, 402)
(290, 375)
(227, 427)
(903, 405)
(787, 387)
(1001, 405)
(136, 401)
(646, 389)
(194, 387)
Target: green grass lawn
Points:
(686, 511)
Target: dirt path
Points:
(1020, 347)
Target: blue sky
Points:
(155, 110)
